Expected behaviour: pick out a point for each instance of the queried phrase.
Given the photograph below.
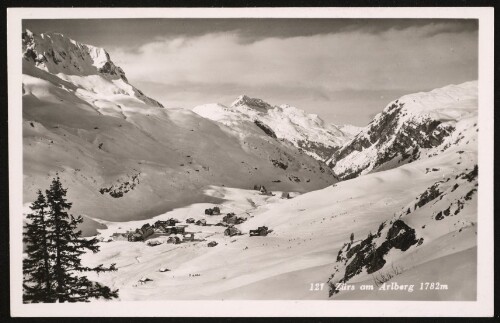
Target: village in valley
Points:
(153, 252)
(176, 232)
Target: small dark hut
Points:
(232, 218)
(213, 211)
(174, 230)
(174, 240)
(232, 231)
(168, 223)
(261, 231)
(285, 195)
(201, 222)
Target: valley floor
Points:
(308, 231)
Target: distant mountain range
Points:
(122, 154)
(308, 132)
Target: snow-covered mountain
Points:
(124, 158)
(415, 223)
(286, 123)
(413, 126)
(121, 154)
(87, 67)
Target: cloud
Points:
(311, 67)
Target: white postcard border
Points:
(482, 307)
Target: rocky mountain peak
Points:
(56, 53)
(405, 129)
(253, 103)
(60, 55)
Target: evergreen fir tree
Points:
(37, 284)
(63, 248)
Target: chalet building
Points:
(213, 211)
(201, 222)
(168, 223)
(174, 230)
(232, 231)
(174, 240)
(134, 236)
(261, 231)
(141, 234)
(231, 218)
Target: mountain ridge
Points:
(121, 155)
(307, 132)
(407, 128)
(73, 61)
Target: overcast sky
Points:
(345, 70)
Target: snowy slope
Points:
(407, 129)
(305, 131)
(310, 232)
(412, 223)
(127, 161)
(120, 154)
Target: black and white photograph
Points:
(237, 155)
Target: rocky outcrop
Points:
(367, 255)
(253, 103)
(390, 136)
(122, 187)
(405, 129)
(266, 129)
(59, 55)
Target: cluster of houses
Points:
(177, 232)
(168, 227)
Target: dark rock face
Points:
(472, 175)
(406, 137)
(120, 189)
(29, 53)
(401, 236)
(254, 103)
(266, 129)
(367, 255)
(111, 69)
(280, 164)
(430, 194)
(324, 152)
